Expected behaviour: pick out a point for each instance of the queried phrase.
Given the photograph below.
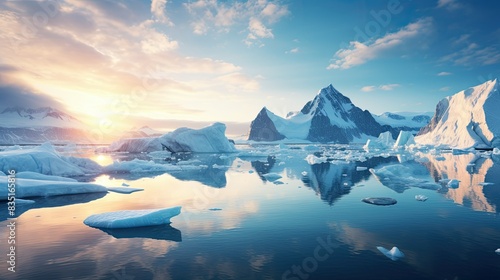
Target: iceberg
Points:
(132, 218)
(405, 138)
(33, 188)
(394, 254)
(45, 160)
(400, 177)
(497, 251)
(384, 141)
(467, 119)
(210, 139)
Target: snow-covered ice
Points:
(394, 254)
(312, 159)
(497, 251)
(132, 218)
(405, 138)
(33, 188)
(44, 159)
(384, 141)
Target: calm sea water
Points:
(237, 223)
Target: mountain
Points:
(329, 117)
(20, 125)
(407, 121)
(467, 119)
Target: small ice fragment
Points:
(344, 175)
(497, 251)
(394, 254)
(20, 201)
(251, 171)
(304, 173)
(485, 184)
(361, 168)
(278, 183)
(272, 176)
(453, 183)
(420, 197)
(125, 185)
(123, 190)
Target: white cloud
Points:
(473, 54)
(158, 11)
(255, 15)
(359, 53)
(368, 88)
(294, 50)
(157, 42)
(388, 86)
(449, 4)
(444, 74)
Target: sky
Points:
(166, 63)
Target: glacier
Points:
(132, 218)
(467, 119)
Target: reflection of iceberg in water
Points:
(162, 232)
(402, 176)
(470, 170)
(211, 172)
(53, 201)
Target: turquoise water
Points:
(236, 224)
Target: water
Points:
(309, 224)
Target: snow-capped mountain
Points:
(329, 117)
(469, 118)
(37, 125)
(407, 121)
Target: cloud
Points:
(158, 11)
(388, 86)
(255, 15)
(359, 53)
(473, 54)
(444, 74)
(449, 4)
(294, 50)
(444, 89)
(368, 88)
(17, 95)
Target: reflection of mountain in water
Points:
(470, 170)
(161, 232)
(331, 181)
(53, 201)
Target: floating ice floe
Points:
(124, 189)
(400, 177)
(33, 188)
(393, 254)
(271, 177)
(361, 168)
(125, 185)
(380, 200)
(420, 197)
(132, 218)
(44, 159)
(497, 251)
(312, 159)
(38, 176)
(485, 184)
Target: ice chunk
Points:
(497, 251)
(361, 168)
(405, 138)
(134, 145)
(312, 159)
(420, 197)
(271, 177)
(124, 190)
(45, 160)
(380, 200)
(400, 177)
(394, 254)
(304, 173)
(384, 141)
(485, 184)
(38, 176)
(125, 185)
(496, 151)
(32, 188)
(453, 184)
(132, 218)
